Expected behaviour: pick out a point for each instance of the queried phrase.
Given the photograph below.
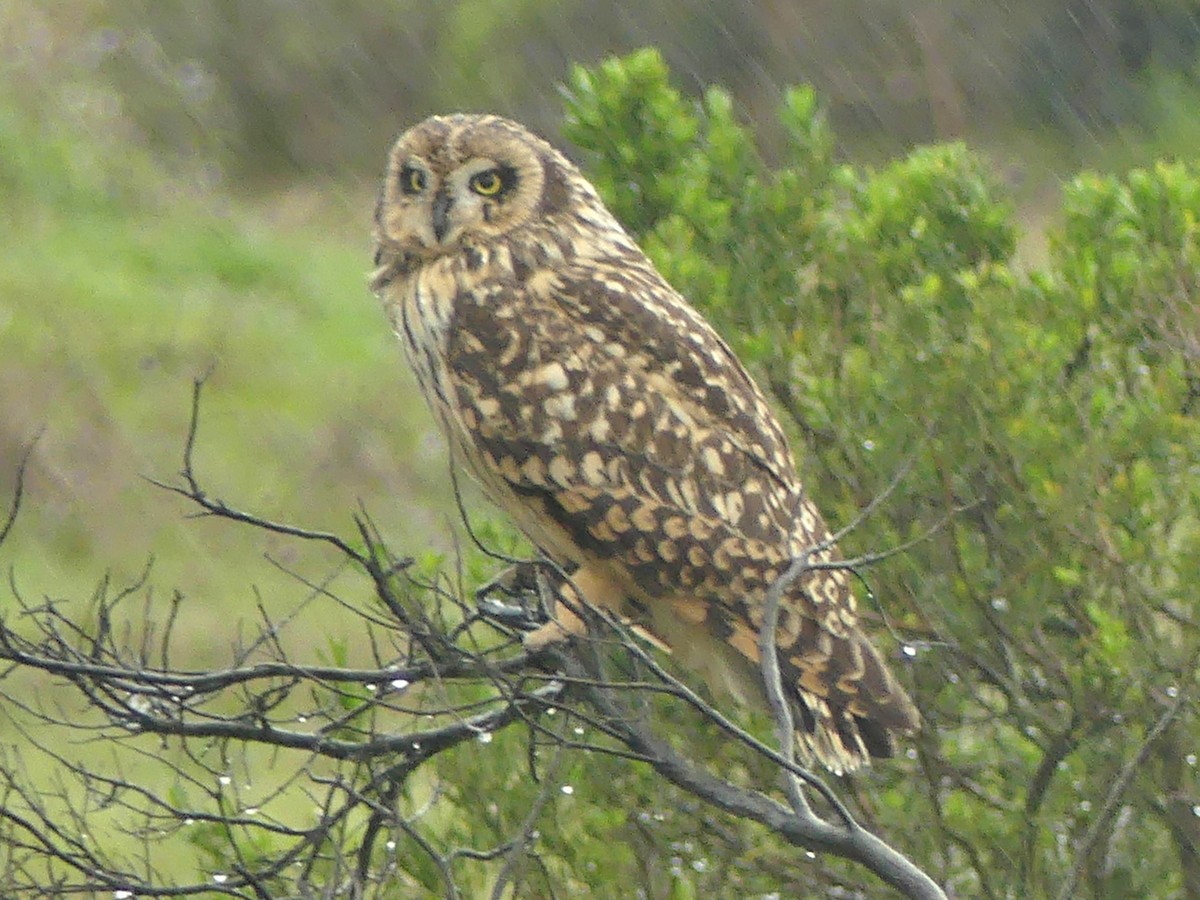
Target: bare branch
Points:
(14, 507)
(806, 831)
(351, 738)
(1117, 791)
(782, 710)
(216, 507)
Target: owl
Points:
(600, 411)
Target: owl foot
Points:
(517, 583)
(563, 627)
(536, 592)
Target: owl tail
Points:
(846, 704)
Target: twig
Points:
(807, 831)
(18, 490)
(769, 663)
(525, 835)
(1119, 786)
(219, 508)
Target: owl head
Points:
(454, 182)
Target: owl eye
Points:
(412, 180)
(488, 183)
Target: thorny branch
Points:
(350, 739)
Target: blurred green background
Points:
(187, 188)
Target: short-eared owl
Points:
(598, 409)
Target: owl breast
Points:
(426, 311)
(421, 313)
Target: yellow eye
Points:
(488, 183)
(412, 180)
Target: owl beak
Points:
(441, 214)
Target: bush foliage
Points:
(1044, 421)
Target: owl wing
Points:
(609, 402)
(610, 408)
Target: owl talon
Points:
(520, 583)
(507, 614)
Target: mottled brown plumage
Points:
(597, 408)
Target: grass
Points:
(120, 283)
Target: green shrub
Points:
(1049, 418)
